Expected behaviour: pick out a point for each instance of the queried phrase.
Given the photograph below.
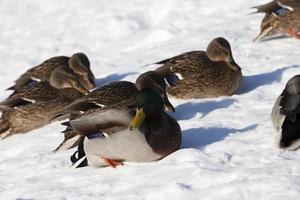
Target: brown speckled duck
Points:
(114, 95)
(34, 104)
(204, 74)
(143, 133)
(282, 18)
(78, 63)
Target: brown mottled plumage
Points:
(114, 95)
(282, 18)
(204, 74)
(34, 105)
(78, 63)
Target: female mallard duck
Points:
(115, 135)
(286, 116)
(78, 63)
(33, 106)
(113, 95)
(204, 74)
(282, 17)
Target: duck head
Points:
(155, 81)
(149, 103)
(219, 50)
(80, 65)
(63, 77)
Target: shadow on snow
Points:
(189, 110)
(112, 77)
(252, 82)
(199, 137)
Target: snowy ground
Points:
(227, 148)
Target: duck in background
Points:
(286, 116)
(37, 97)
(140, 133)
(282, 18)
(204, 74)
(119, 94)
(78, 63)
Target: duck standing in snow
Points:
(286, 116)
(142, 133)
(37, 96)
(282, 18)
(119, 94)
(205, 74)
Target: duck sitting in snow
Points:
(33, 103)
(78, 63)
(114, 135)
(282, 17)
(114, 95)
(286, 116)
(204, 74)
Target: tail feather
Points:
(67, 123)
(11, 88)
(267, 8)
(71, 138)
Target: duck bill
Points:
(87, 82)
(138, 119)
(81, 89)
(233, 65)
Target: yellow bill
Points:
(138, 119)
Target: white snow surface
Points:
(227, 150)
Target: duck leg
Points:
(112, 163)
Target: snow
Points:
(227, 150)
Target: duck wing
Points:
(121, 93)
(278, 7)
(30, 94)
(39, 73)
(185, 64)
(107, 119)
(290, 97)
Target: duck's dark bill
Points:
(172, 79)
(138, 119)
(81, 89)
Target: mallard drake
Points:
(33, 106)
(286, 116)
(113, 95)
(115, 135)
(204, 74)
(282, 17)
(78, 63)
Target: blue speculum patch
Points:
(281, 11)
(172, 79)
(95, 135)
(31, 83)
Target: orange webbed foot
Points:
(112, 163)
